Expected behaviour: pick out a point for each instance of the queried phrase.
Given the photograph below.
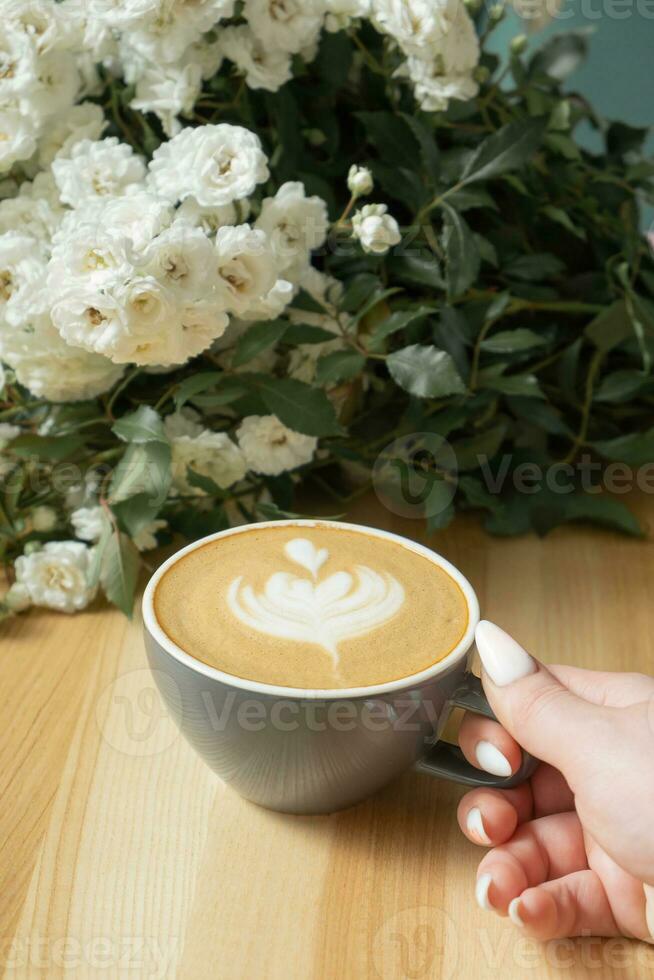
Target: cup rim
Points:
(157, 633)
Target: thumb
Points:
(543, 715)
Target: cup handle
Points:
(447, 760)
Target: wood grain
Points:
(122, 855)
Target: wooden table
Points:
(124, 856)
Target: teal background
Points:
(618, 77)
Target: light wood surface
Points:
(122, 855)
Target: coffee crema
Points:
(315, 607)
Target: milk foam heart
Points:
(315, 606)
(341, 607)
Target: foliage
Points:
(516, 318)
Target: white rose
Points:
(359, 180)
(20, 62)
(97, 168)
(137, 216)
(376, 230)
(50, 368)
(180, 257)
(88, 522)
(165, 35)
(433, 90)
(57, 576)
(245, 267)
(214, 164)
(210, 454)
(8, 433)
(415, 25)
(295, 224)
(22, 271)
(84, 121)
(146, 538)
(56, 87)
(274, 302)
(168, 91)
(183, 423)
(17, 598)
(288, 26)
(17, 138)
(272, 448)
(44, 518)
(264, 67)
(210, 219)
(43, 23)
(35, 217)
(341, 12)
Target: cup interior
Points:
(151, 623)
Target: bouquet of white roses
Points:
(198, 310)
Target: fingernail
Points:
(504, 660)
(491, 759)
(649, 910)
(514, 912)
(481, 893)
(475, 825)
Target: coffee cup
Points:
(316, 750)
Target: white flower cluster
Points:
(144, 265)
(167, 48)
(41, 76)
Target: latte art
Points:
(315, 606)
(341, 607)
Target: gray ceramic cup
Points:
(315, 751)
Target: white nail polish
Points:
(649, 910)
(504, 660)
(475, 825)
(514, 912)
(491, 759)
(481, 893)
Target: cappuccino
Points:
(314, 607)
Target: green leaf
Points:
(416, 271)
(258, 338)
(196, 383)
(535, 268)
(516, 384)
(391, 137)
(478, 496)
(426, 141)
(512, 341)
(425, 372)
(143, 425)
(541, 414)
(507, 149)
(610, 327)
(562, 218)
(635, 448)
(398, 320)
(144, 469)
(461, 251)
(296, 404)
(95, 567)
(622, 386)
(54, 448)
(472, 451)
(550, 509)
(304, 333)
(121, 563)
(341, 365)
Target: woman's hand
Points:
(572, 850)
